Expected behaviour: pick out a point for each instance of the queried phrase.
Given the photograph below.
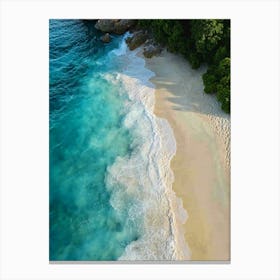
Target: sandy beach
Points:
(202, 162)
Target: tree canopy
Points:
(200, 41)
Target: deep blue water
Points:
(86, 136)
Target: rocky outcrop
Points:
(151, 48)
(136, 40)
(118, 26)
(124, 25)
(105, 25)
(106, 38)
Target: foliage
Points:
(167, 32)
(206, 35)
(220, 54)
(217, 80)
(194, 60)
(210, 82)
(200, 41)
(210, 40)
(223, 87)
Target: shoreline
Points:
(162, 239)
(202, 160)
(177, 214)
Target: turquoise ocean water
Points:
(108, 200)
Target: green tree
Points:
(206, 34)
(167, 32)
(223, 87)
(210, 82)
(194, 59)
(220, 54)
(199, 41)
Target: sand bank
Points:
(202, 162)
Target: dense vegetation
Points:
(199, 41)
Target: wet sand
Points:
(201, 165)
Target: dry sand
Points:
(201, 165)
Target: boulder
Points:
(123, 25)
(105, 25)
(106, 38)
(149, 41)
(118, 26)
(136, 40)
(151, 50)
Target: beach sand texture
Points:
(202, 162)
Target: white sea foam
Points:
(122, 49)
(141, 183)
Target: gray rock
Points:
(151, 49)
(150, 42)
(106, 38)
(124, 25)
(136, 40)
(105, 25)
(118, 26)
